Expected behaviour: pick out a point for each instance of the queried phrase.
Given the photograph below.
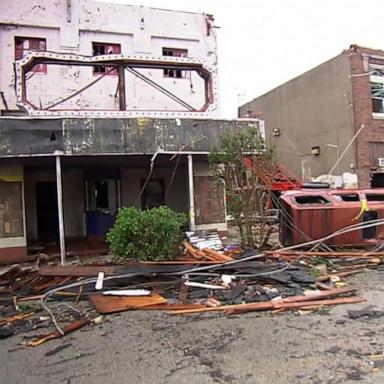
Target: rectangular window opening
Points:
(102, 195)
(313, 199)
(99, 49)
(24, 45)
(377, 94)
(175, 52)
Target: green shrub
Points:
(146, 235)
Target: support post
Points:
(60, 206)
(122, 101)
(191, 194)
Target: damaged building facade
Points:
(100, 111)
(332, 112)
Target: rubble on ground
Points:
(61, 299)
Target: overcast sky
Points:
(264, 43)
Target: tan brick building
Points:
(335, 110)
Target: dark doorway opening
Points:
(46, 212)
(154, 194)
(377, 180)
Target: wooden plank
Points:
(176, 306)
(335, 254)
(272, 304)
(217, 255)
(111, 304)
(93, 270)
(77, 270)
(11, 319)
(56, 334)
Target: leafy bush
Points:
(146, 235)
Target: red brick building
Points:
(334, 111)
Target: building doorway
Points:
(46, 212)
(154, 194)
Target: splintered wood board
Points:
(111, 304)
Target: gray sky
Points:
(264, 43)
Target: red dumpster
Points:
(312, 214)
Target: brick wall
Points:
(373, 131)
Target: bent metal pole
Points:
(60, 206)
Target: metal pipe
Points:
(60, 206)
(337, 155)
(346, 149)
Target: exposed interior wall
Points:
(311, 110)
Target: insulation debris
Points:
(205, 239)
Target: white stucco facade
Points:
(74, 26)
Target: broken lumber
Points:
(11, 319)
(341, 274)
(216, 255)
(319, 294)
(112, 304)
(171, 307)
(335, 254)
(275, 304)
(191, 250)
(56, 334)
(80, 270)
(269, 305)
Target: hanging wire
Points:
(194, 270)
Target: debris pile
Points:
(230, 281)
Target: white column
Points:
(60, 207)
(191, 194)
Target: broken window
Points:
(312, 199)
(153, 194)
(377, 92)
(175, 73)
(377, 89)
(348, 197)
(374, 197)
(24, 45)
(105, 49)
(11, 210)
(102, 195)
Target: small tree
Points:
(247, 197)
(146, 235)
